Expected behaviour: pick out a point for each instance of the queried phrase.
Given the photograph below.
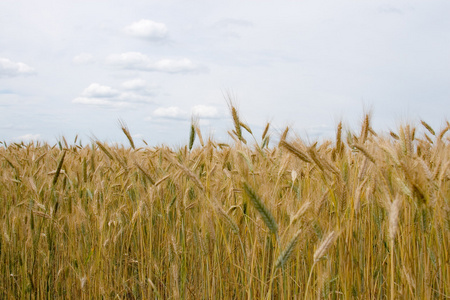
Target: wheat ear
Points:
(428, 127)
(364, 151)
(393, 218)
(326, 243)
(261, 208)
(287, 252)
(297, 152)
(192, 133)
(339, 139)
(186, 171)
(320, 252)
(393, 227)
(266, 129)
(126, 131)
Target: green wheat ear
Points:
(192, 133)
(261, 208)
(287, 252)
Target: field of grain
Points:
(363, 216)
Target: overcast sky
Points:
(77, 67)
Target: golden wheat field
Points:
(365, 215)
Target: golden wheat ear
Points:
(326, 243)
(127, 133)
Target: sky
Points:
(77, 67)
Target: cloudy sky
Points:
(78, 67)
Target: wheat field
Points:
(365, 215)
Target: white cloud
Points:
(129, 60)
(134, 84)
(135, 97)
(139, 61)
(208, 112)
(28, 137)
(9, 68)
(175, 66)
(172, 112)
(83, 59)
(101, 102)
(91, 101)
(99, 91)
(147, 29)
(137, 89)
(106, 96)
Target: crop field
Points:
(365, 215)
